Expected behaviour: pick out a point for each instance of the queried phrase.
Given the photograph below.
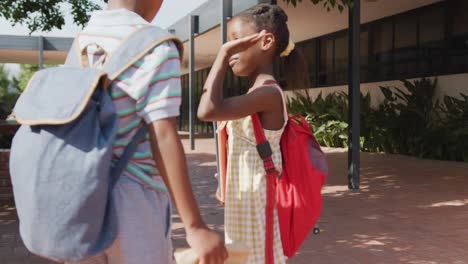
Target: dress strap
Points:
(283, 96)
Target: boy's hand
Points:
(207, 245)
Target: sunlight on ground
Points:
(366, 241)
(447, 203)
(373, 217)
(384, 177)
(373, 243)
(207, 164)
(341, 190)
(334, 189)
(334, 150)
(4, 213)
(370, 242)
(422, 262)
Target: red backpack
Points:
(297, 191)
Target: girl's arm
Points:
(212, 105)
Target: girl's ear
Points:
(268, 42)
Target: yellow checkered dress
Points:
(246, 190)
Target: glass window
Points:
(460, 17)
(406, 51)
(364, 53)
(326, 61)
(431, 25)
(341, 59)
(309, 51)
(406, 31)
(458, 47)
(382, 32)
(431, 40)
(383, 39)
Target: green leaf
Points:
(46, 15)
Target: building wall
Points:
(309, 21)
(428, 41)
(451, 85)
(400, 39)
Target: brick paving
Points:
(408, 211)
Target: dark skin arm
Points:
(170, 159)
(213, 107)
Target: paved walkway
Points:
(408, 211)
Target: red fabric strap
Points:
(272, 174)
(258, 129)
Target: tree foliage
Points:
(45, 15)
(25, 74)
(8, 92)
(328, 4)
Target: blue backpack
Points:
(61, 157)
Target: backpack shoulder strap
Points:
(265, 152)
(135, 47)
(127, 154)
(263, 146)
(221, 144)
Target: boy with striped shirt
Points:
(148, 93)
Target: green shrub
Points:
(454, 127)
(329, 133)
(408, 118)
(411, 122)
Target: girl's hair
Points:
(274, 20)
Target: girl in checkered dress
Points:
(257, 38)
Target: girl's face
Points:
(247, 61)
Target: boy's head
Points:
(270, 18)
(147, 9)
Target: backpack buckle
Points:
(270, 167)
(264, 150)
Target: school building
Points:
(399, 39)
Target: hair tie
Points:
(288, 49)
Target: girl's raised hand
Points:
(238, 45)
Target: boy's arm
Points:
(157, 91)
(170, 159)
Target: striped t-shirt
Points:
(148, 91)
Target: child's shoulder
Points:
(113, 27)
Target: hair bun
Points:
(261, 9)
(279, 13)
(273, 11)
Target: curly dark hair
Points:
(273, 19)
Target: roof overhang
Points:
(26, 49)
(306, 21)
